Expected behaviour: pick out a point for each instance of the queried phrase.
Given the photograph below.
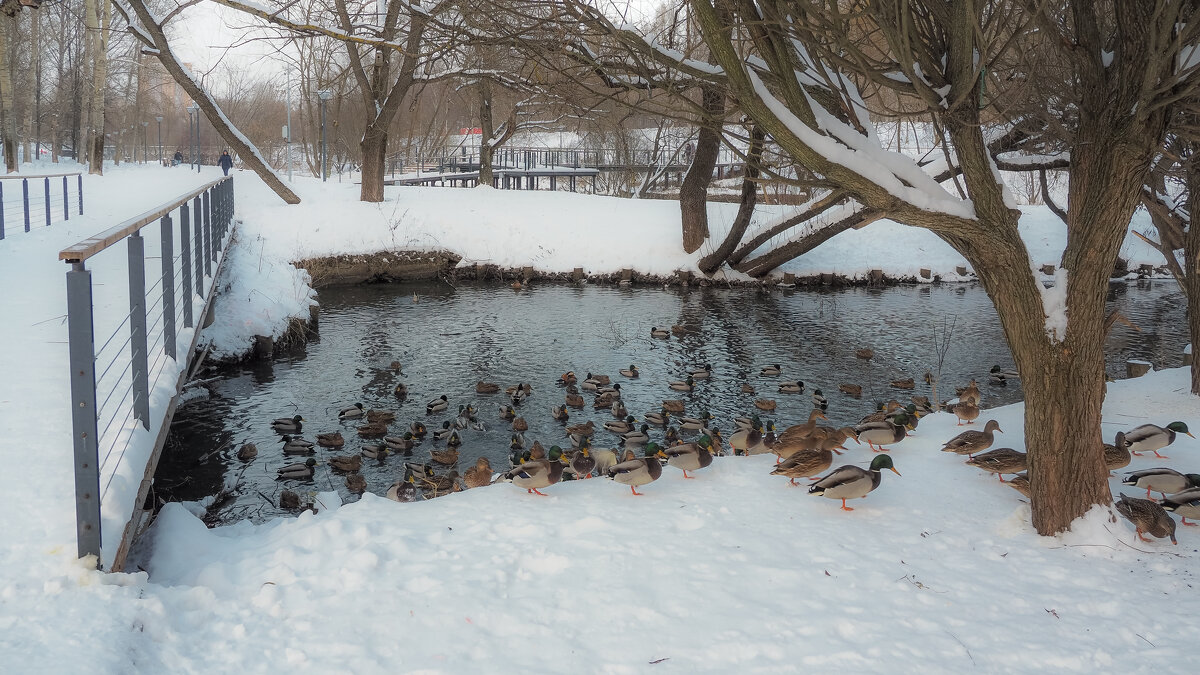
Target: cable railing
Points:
(115, 389)
(38, 201)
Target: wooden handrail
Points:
(97, 243)
(40, 175)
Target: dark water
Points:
(449, 338)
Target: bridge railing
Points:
(124, 376)
(38, 200)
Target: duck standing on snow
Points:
(1000, 461)
(581, 464)
(691, 456)
(1152, 438)
(1020, 483)
(538, 473)
(971, 442)
(885, 432)
(352, 413)
(288, 425)
(970, 394)
(804, 464)
(403, 490)
(966, 412)
(1147, 516)
(478, 475)
(635, 471)
(1162, 480)
(437, 405)
(852, 482)
(1186, 504)
(1116, 456)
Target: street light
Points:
(324, 95)
(194, 109)
(145, 152)
(159, 118)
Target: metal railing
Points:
(111, 385)
(37, 200)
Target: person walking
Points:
(225, 162)
(177, 159)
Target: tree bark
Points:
(1191, 261)
(693, 194)
(30, 88)
(98, 25)
(763, 264)
(374, 156)
(487, 127)
(711, 262)
(8, 118)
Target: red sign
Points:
(465, 131)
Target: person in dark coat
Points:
(226, 162)
(178, 159)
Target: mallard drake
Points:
(333, 440)
(660, 333)
(907, 383)
(516, 442)
(744, 439)
(672, 405)
(582, 464)
(518, 397)
(1162, 480)
(764, 404)
(247, 452)
(538, 473)
(851, 389)
(970, 394)
(294, 445)
(352, 413)
(804, 464)
(298, 471)
(882, 433)
(852, 482)
(575, 400)
(791, 387)
(437, 405)
(745, 422)
(445, 457)
(586, 429)
(637, 436)
(566, 378)
(346, 463)
(766, 443)
(686, 385)
(1117, 456)
(519, 424)
(865, 353)
(631, 371)
(702, 373)
(374, 450)
(618, 409)
(523, 388)
(747, 389)
(403, 443)
(922, 404)
(454, 440)
(1186, 504)
(770, 371)
(559, 413)
(464, 418)
(690, 456)
(356, 483)
(609, 389)
(1000, 377)
(635, 471)
(443, 433)
(400, 391)
(480, 474)
(913, 417)
(418, 429)
(819, 399)
(798, 431)
(1000, 461)
(482, 387)
(403, 490)
(658, 419)
(694, 423)
(288, 425)
(965, 412)
(1020, 483)
(1152, 438)
(373, 430)
(620, 426)
(597, 380)
(971, 442)
(381, 416)
(1147, 516)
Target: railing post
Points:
(83, 410)
(212, 234)
(66, 202)
(79, 187)
(1, 209)
(167, 241)
(47, 179)
(198, 224)
(185, 257)
(137, 328)
(25, 194)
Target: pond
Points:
(448, 338)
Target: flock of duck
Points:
(803, 450)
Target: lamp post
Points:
(288, 135)
(159, 118)
(324, 95)
(145, 143)
(194, 110)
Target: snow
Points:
(1054, 304)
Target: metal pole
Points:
(66, 201)
(288, 143)
(137, 328)
(185, 257)
(167, 254)
(25, 195)
(324, 158)
(160, 157)
(1, 209)
(198, 221)
(79, 187)
(83, 411)
(46, 180)
(197, 141)
(212, 235)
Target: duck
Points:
(446, 457)
(605, 459)
(970, 394)
(691, 456)
(373, 430)
(536, 451)
(819, 399)
(440, 485)
(1020, 483)
(582, 463)
(965, 412)
(747, 389)
(882, 412)
(1147, 517)
(609, 389)
(288, 425)
(1000, 461)
(702, 373)
(671, 436)
(658, 419)
(1162, 480)
(865, 353)
(928, 377)
(606, 400)
(298, 471)
(798, 431)
(507, 412)
(559, 413)
(618, 409)
(854, 390)
(518, 397)
(574, 400)
(566, 378)
(346, 463)
(680, 329)
(972, 442)
(804, 464)
(352, 413)
(743, 439)
(482, 387)
(247, 452)
(294, 445)
(1000, 377)
(620, 426)
(437, 405)
(922, 404)
(377, 451)
(597, 380)
(1186, 504)
(1117, 456)
(443, 433)
(538, 473)
(403, 490)
(764, 404)
(521, 388)
(770, 371)
(454, 440)
(766, 443)
(400, 391)
(852, 482)
(695, 423)
(1152, 438)
(630, 372)
(417, 429)
(834, 439)
(516, 442)
(659, 333)
(907, 383)
(403, 443)
(519, 424)
(637, 471)
(672, 405)
(478, 475)
(381, 416)
(791, 387)
(586, 429)
(882, 433)
(333, 440)
(637, 436)
(465, 417)
(685, 385)
(745, 422)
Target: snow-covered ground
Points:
(937, 570)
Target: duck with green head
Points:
(288, 425)
(635, 471)
(686, 385)
(538, 473)
(1152, 438)
(298, 471)
(852, 482)
(690, 456)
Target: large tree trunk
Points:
(8, 118)
(709, 263)
(97, 25)
(30, 85)
(374, 155)
(693, 194)
(1191, 261)
(763, 264)
(488, 129)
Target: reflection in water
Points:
(448, 338)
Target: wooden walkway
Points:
(507, 179)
